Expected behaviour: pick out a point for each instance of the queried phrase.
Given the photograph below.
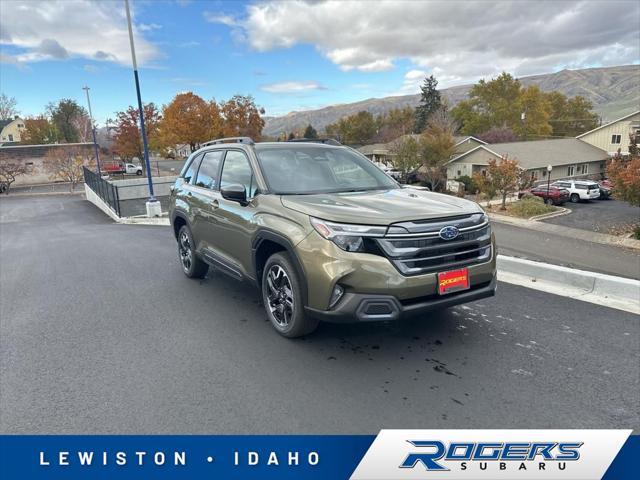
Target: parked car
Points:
(551, 196)
(326, 235)
(606, 187)
(579, 189)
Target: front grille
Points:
(416, 248)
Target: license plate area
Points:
(453, 281)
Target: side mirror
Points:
(235, 192)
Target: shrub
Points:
(636, 233)
(530, 206)
(470, 185)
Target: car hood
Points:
(379, 207)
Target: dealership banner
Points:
(392, 454)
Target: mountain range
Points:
(614, 92)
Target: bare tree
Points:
(436, 147)
(9, 171)
(65, 164)
(7, 107)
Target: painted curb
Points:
(607, 290)
(558, 213)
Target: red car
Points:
(551, 196)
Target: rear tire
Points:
(192, 265)
(575, 198)
(138, 172)
(548, 201)
(282, 297)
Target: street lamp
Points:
(153, 205)
(93, 130)
(549, 168)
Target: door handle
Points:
(215, 204)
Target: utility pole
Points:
(93, 130)
(153, 205)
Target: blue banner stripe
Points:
(626, 465)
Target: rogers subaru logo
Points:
(430, 455)
(449, 232)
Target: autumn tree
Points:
(405, 154)
(70, 120)
(430, 101)
(624, 173)
(436, 147)
(394, 123)
(570, 116)
(310, 132)
(65, 164)
(7, 107)
(127, 141)
(189, 119)
(357, 129)
(9, 171)
(503, 176)
(241, 117)
(38, 131)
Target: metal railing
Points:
(104, 189)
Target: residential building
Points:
(11, 129)
(568, 157)
(614, 136)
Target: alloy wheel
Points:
(279, 295)
(186, 253)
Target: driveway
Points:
(100, 332)
(598, 215)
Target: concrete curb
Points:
(601, 238)
(40, 194)
(558, 213)
(607, 290)
(162, 221)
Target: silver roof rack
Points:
(218, 141)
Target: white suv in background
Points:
(579, 189)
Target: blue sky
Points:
(293, 55)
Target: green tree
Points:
(571, 116)
(67, 116)
(358, 129)
(394, 123)
(405, 154)
(310, 132)
(430, 101)
(537, 111)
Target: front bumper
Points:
(358, 307)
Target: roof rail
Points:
(247, 140)
(326, 141)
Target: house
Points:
(382, 153)
(614, 135)
(11, 129)
(568, 157)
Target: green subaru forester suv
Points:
(326, 235)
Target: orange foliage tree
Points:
(241, 117)
(191, 120)
(624, 173)
(127, 141)
(504, 177)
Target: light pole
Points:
(153, 206)
(549, 168)
(93, 130)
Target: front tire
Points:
(282, 298)
(139, 172)
(192, 265)
(575, 198)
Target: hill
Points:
(614, 91)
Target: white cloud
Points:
(291, 87)
(463, 41)
(147, 27)
(59, 29)
(227, 20)
(412, 81)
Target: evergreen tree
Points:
(430, 101)
(310, 132)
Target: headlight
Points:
(347, 236)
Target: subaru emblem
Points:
(449, 232)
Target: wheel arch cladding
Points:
(265, 244)
(178, 222)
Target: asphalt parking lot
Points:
(598, 215)
(100, 332)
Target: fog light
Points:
(336, 295)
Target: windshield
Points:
(307, 169)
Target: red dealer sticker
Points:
(453, 281)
